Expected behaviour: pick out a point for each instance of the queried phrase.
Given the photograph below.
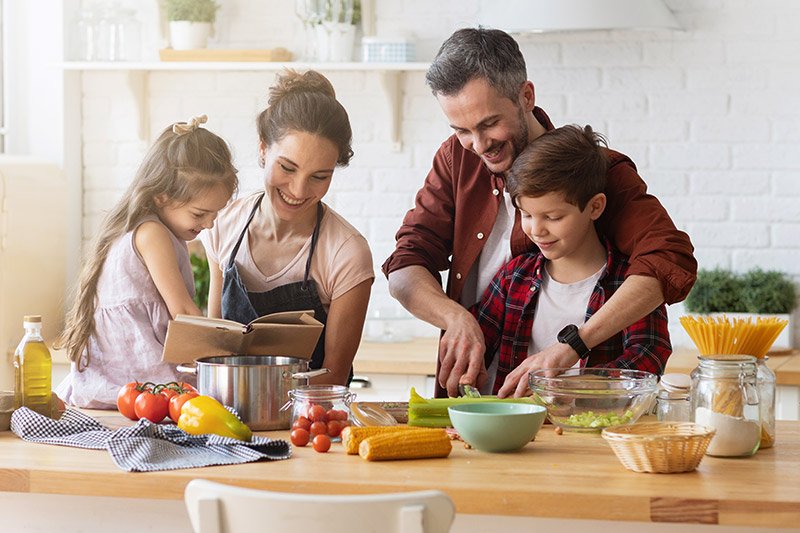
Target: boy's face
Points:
(557, 227)
(489, 124)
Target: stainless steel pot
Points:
(257, 386)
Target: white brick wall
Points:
(711, 116)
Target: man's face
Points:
(487, 123)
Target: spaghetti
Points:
(721, 335)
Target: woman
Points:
(282, 249)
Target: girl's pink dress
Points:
(130, 323)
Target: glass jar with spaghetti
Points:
(765, 378)
(725, 397)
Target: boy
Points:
(536, 299)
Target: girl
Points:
(283, 249)
(138, 275)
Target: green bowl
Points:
(497, 427)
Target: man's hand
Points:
(461, 351)
(555, 356)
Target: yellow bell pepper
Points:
(203, 415)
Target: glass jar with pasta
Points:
(725, 397)
(765, 378)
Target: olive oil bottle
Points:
(33, 368)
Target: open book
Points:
(290, 333)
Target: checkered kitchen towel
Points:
(144, 447)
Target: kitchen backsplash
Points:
(710, 115)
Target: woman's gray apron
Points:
(243, 306)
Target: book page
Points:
(219, 323)
(284, 317)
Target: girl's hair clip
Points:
(182, 128)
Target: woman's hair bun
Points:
(291, 81)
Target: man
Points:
(464, 221)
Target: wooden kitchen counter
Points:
(567, 476)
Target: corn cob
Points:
(352, 435)
(421, 444)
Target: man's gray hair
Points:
(472, 53)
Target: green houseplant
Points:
(755, 293)
(190, 22)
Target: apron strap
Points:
(244, 230)
(314, 239)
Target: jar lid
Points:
(727, 359)
(676, 382)
(371, 414)
(32, 318)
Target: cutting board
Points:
(221, 54)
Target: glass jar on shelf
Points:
(765, 378)
(321, 409)
(725, 397)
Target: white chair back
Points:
(217, 508)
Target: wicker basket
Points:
(660, 447)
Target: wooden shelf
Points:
(242, 66)
(391, 75)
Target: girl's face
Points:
(187, 220)
(298, 168)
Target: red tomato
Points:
(169, 392)
(322, 443)
(127, 397)
(334, 428)
(185, 387)
(176, 402)
(302, 422)
(318, 428)
(337, 414)
(300, 437)
(317, 413)
(151, 406)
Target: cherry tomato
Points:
(302, 422)
(126, 399)
(300, 437)
(186, 387)
(338, 414)
(169, 392)
(322, 443)
(334, 428)
(317, 413)
(176, 402)
(152, 406)
(318, 428)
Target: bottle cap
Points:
(32, 318)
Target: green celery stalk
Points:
(433, 412)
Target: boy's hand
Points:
(461, 351)
(555, 356)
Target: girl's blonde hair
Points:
(184, 161)
(306, 102)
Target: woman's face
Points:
(299, 169)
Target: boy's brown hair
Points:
(569, 160)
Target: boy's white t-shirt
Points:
(558, 305)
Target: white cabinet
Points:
(33, 251)
(375, 387)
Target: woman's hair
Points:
(185, 161)
(306, 102)
(472, 53)
(569, 160)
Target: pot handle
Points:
(187, 368)
(310, 374)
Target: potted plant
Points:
(753, 293)
(190, 22)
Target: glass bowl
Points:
(590, 399)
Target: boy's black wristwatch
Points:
(569, 335)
